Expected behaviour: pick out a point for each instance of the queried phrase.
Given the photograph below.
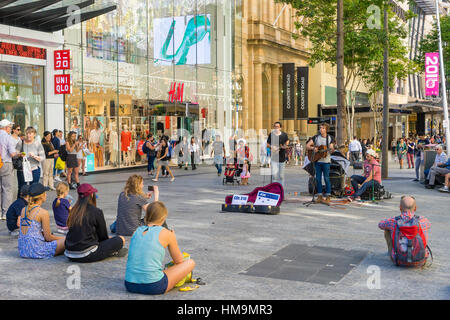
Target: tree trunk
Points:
(340, 74)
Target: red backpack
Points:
(409, 243)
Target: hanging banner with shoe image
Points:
(302, 92)
(288, 91)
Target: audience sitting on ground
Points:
(144, 272)
(35, 238)
(396, 229)
(61, 207)
(131, 205)
(441, 169)
(372, 176)
(446, 187)
(87, 240)
(15, 210)
(441, 159)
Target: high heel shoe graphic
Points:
(196, 30)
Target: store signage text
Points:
(432, 74)
(176, 92)
(62, 83)
(19, 50)
(62, 59)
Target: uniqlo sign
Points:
(62, 84)
(62, 59)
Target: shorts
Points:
(163, 163)
(72, 161)
(159, 287)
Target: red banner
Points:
(62, 59)
(62, 84)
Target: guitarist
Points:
(320, 146)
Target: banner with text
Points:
(302, 97)
(432, 74)
(288, 91)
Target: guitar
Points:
(322, 153)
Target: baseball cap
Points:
(25, 190)
(372, 153)
(5, 123)
(36, 189)
(85, 190)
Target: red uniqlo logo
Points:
(176, 92)
(62, 59)
(62, 84)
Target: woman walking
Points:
(401, 152)
(163, 160)
(50, 154)
(82, 154)
(72, 147)
(193, 150)
(411, 151)
(34, 153)
(150, 148)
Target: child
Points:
(245, 174)
(144, 272)
(61, 207)
(15, 210)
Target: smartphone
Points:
(151, 188)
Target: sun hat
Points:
(372, 153)
(5, 123)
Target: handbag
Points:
(60, 165)
(27, 172)
(18, 162)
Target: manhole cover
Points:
(297, 262)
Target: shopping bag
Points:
(27, 173)
(60, 165)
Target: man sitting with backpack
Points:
(407, 235)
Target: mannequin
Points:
(94, 141)
(133, 145)
(125, 140)
(114, 146)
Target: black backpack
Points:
(63, 153)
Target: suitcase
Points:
(271, 210)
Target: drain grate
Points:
(297, 262)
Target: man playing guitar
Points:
(319, 146)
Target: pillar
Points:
(258, 114)
(275, 84)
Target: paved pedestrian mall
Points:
(314, 252)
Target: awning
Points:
(427, 6)
(50, 15)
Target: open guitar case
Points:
(275, 187)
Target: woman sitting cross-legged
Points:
(144, 272)
(87, 239)
(131, 205)
(35, 238)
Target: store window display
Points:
(96, 142)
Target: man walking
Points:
(278, 142)
(218, 150)
(7, 152)
(421, 142)
(355, 150)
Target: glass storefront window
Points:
(152, 66)
(22, 95)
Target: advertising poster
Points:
(432, 74)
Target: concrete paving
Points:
(224, 245)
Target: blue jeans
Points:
(323, 169)
(364, 187)
(278, 172)
(151, 163)
(218, 160)
(418, 164)
(21, 179)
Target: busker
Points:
(321, 144)
(407, 235)
(371, 178)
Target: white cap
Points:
(5, 123)
(372, 153)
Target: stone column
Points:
(258, 113)
(275, 84)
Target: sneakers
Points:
(429, 186)
(172, 179)
(3, 217)
(156, 180)
(121, 253)
(444, 189)
(14, 233)
(58, 179)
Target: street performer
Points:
(320, 146)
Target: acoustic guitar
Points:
(322, 153)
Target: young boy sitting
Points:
(15, 210)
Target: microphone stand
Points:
(314, 181)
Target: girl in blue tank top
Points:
(144, 272)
